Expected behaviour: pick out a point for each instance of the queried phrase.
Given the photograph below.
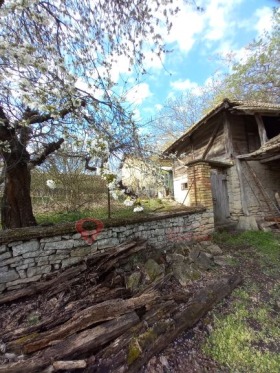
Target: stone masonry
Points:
(23, 262)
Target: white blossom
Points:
(51, 184)
(128, 202)
(138, 209)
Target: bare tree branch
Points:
(87, 166)
(50, 148)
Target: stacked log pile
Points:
(92, 322)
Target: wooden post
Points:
(242, 187)
(261, 128)
(227, 135)
(109, 204)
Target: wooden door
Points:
(220, 196)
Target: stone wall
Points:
(29, 254)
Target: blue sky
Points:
(196, 40)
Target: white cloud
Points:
(139, 93)
(263, 19)
(158, 107)
(183, 85)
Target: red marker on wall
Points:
(89, 235)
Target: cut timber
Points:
(69, 365)
(100, 312)
(76, 345)
(39, 287)
(135, 351)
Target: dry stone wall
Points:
(23, 262)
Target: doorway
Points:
(220, 196)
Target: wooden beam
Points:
(269, 159)
(227, 136)
(261, 129)
(242, 187)
(211, 140)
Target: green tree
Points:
(258, 76)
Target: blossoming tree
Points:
(55, 83)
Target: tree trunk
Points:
(16, 206)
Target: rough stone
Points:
(68, 262)
(50, 239)
(8, 276)
(3, 248)
(247, 223)
(22, 273)
(184, 272)
(224, 260)
(11, 261)
(203, 261)
(32, 254)
(60, 245)
(15, 243)
(81, 251)
(153, 269)
(4, 269)
(2, 287)
(31, 272)
(213, 249)
(25, 247)
(133, 281)
(5, 256)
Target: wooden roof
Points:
(237, 107)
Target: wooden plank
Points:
(261, 129)
(269, 159)
(104, 311)
(227, 136)
(76, 345)
(211, 140)
(242, 187)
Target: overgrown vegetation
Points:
(246, 334)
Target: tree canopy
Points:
(56, 58)
(257, 75)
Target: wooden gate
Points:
(220, 196)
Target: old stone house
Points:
(230, 161)
(148, 177)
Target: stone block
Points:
(60, 245)
(15, 243)
(51, 239)
(31, 272)
(28, 261)
(69, 262)
(25, 247)
(11, 261)
(22, 273)
(5, 255)
(3, 248)
(76, 236)
(8, 276)
(81, 251)
(2, 287)
(42, 261)
(32, 254)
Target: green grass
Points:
(265, 243)
(118, 211)
(246, 337)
